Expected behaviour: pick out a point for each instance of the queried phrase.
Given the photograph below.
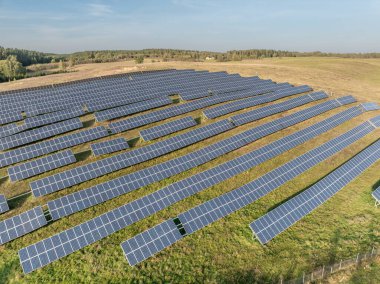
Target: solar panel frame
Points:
(22, 224)
(167, 128)
(42, 165)
(109, 146)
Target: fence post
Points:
(312, 278)
(323, 271)
(373, 248)
(340, 265)
(303, 278)
(357, 258)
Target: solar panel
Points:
(3, 204)
(150, 242)
(109, 146)
(167, 128)
(9, 129)
(53, 117)
(214, 209)
(279, 219)
(102, 192)
(21, 224)
(255, 114)
(376, 195)
(10, 116)
(104, 166)
(39, 133)
(49, 146)
(370, 106)
(249, 102)
(131, 108)
(42, 165)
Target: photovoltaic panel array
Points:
(370, 106)
(21, 224)
(42, 165)
(7, 117)
(253, 101)
(39, 133)
(376, 195)
(252, 115)
(104, 166)
(109, 146)
(49, 118)
(102, 192)
(3, 204)
(95, 229)
(158, 115)
(131, 109)
(167, 128)
(279, 219)
(11, 129)
(219, 207)
(50, 146)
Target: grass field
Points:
(225, 251)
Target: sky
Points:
(65, 26)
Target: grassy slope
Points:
(226, 250)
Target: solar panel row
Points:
(109, 146)
(376, 195)
(53, 117)
(50, 146)
(104, 166)
(279, 219)
(140, 248)
(10, 129)
(159, 115)
(167, 128)
(102, 192)
(39, 133)
(93, 230)
(22, 224)
(42, 165)
(3, 204)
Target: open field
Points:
(225, 251)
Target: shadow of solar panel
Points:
(150, 242)
(109, 146)
(279, 219)
(39, 133)
(256, 114)
(131, 109)
(167, 128)
(3, 204)
(56, 144)
(21, 224)
(90, 171)
(102, 192)
(53, 117)
(41, 165)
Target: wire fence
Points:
(327, 270)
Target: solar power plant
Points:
(53, 117)
(19, 225)
(3, 204)
(42, 165)
(279, 219)
(39, 133)
(140, 247)
(50, 146)
(80, 200)
(117, 219)
(167, 128)
(158, 115)
(99, 168)
(109, 146)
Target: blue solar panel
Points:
(21, 224)
(39, 133)
(53, 117)
(167, 128)
(370, 106)
(376, 194)
(10, 116)
(279, 219)
(50, 146)
(109, 146)
(80, 200)
(214, 209)
(104, 166)
(42, 165)
(3, 204)
(10, 129)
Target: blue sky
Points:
(64, 26)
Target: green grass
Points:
(225, 251)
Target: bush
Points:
(139, 59)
